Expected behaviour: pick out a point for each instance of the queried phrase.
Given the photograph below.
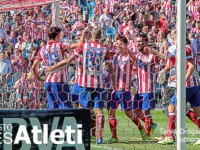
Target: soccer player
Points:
(90, 79)
(146, 65)
(192, 93)
(123, 65)
(56, 82)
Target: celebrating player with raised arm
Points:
(56, 82)
(123, 65)
(146, 67)
(90, 77)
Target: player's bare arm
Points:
(160, 55)
(61, 64)
(112, 73)
(35, 71)
(191, 68)
(132, 56)
(83, 36)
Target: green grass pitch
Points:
(128, 134)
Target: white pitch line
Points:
(104, 147)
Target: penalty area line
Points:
(104, 147)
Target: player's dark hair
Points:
(53, 32)
(97, 34)
(188, 41)
(144, 36)
(124, 40)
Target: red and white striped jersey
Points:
(134, 2)
(90, 69)
(77, 71)
(98, 10)
(132, 47)
(22, 86)
(42, 34)
(111, 5)
(192, 7)
(32, 32)
(51, 54)
(193, 81)
(146, 66)
(123, 69)
(198, 64)
(76, 10)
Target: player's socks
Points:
(198, 122)
(113, 126)
(93, 125)
(148, 124)
(198, 119)
(191, 116)
(100, 124)
(171, 125)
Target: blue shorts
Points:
(192, 96)
(92, 97)
(144, 101)
(120, 97)
(58, 95)
(75, 93)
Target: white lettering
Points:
(8, 138)
(54, 135)
(35, 132)
(22, 135)
(69, 133)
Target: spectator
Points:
(23, 88)
(162, 23)
(19, 42)
(2, 30)
(123, 26)
(5, 72)
(13, 37)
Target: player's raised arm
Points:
(66, 61)
(160, 55)
(191, 67)
(112, 73)
(35, 70)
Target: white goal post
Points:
(181, 70)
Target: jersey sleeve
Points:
(171, 61)
(65, 46)
(79, 51)
(189, 54)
